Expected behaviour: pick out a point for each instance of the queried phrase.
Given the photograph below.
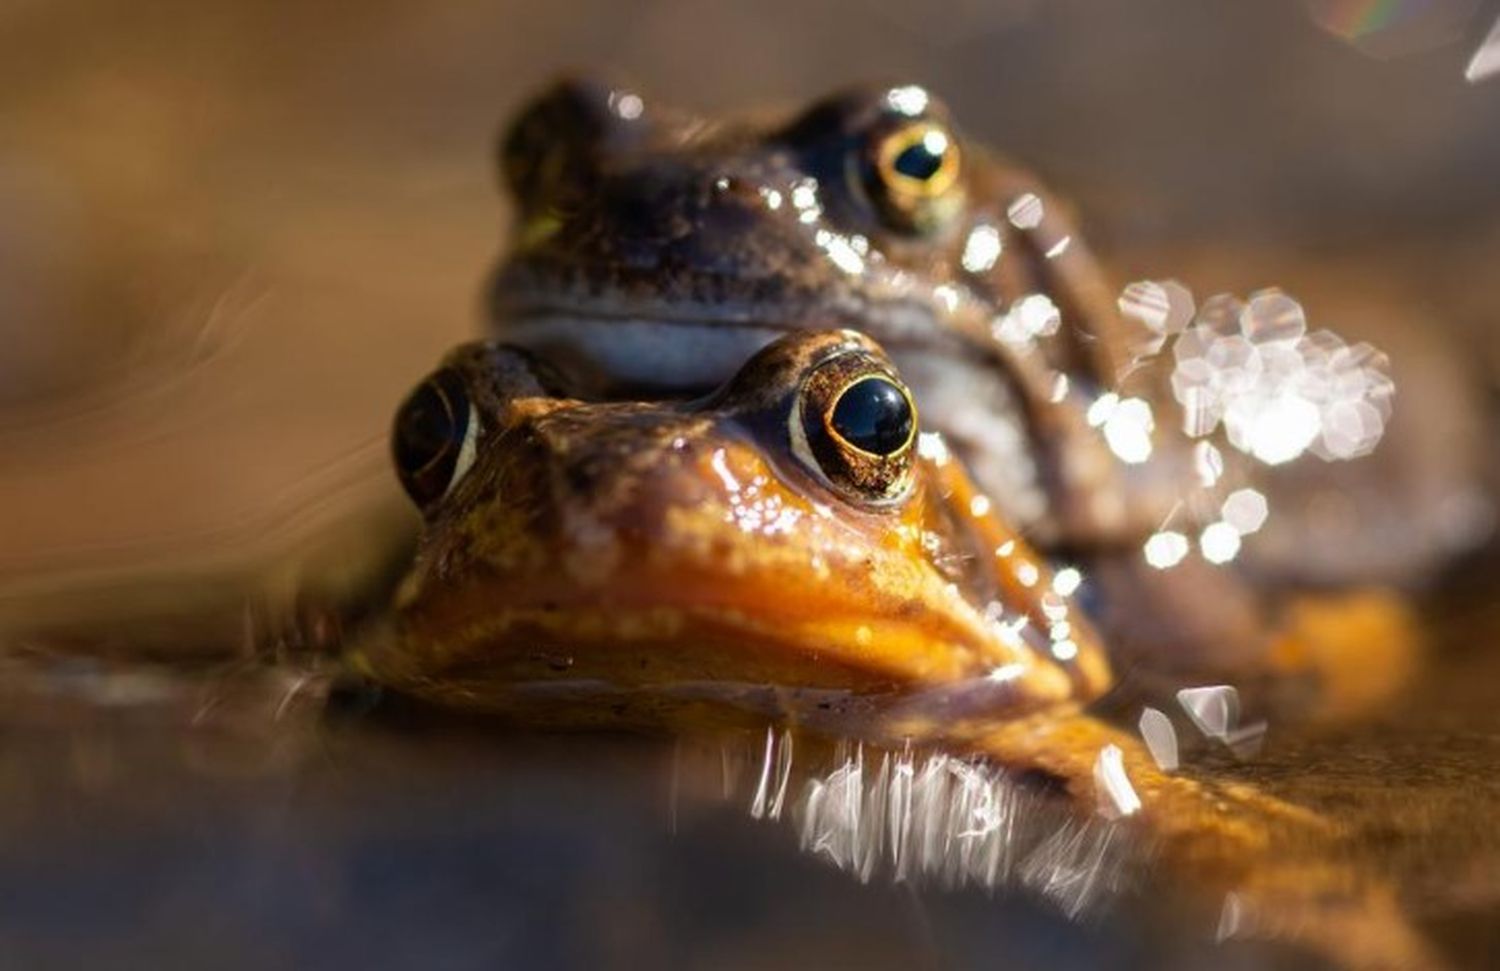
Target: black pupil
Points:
(918, 162)
(873, 415)
(429, 434)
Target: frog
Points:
(655, 249)
(789, 538)
(790, 548)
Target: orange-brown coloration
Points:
(657, 250)
(685, 548)
(680, 565)
(1361, 647)
(1288, 869)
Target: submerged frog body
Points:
(789, 536)
(655, 251)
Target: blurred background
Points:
(233, 233)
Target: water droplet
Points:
(1160, 738)
(1147, 302)
(1101, 408)
(1192, 345)
(1220, 314)
(1351, 429)
(1220, 542)
(1166, 549)
(1271, 316)
(1246, 510)
(1117, 797)
(1067, 581)
(981, 249)
(1128, 429)
(1038, 315)
(1163, 307)
(628, 106)
(909, 100)
(1214, 709)
(1274, 431)
(1025, 212)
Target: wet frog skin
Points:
(790, 533)
(790, 549)
(654, 251)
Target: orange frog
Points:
(791, 548)
(789, 540)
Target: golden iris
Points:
(917, 168)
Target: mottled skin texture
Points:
(698, 565)
(655, 250)
(639, 540)
(649, 554)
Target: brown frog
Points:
(654, 251)
(789, 539)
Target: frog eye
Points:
(913, 175)
(434, 437)
(874, 415)
(854, 425)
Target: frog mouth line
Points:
(648, 647)
(656, 624)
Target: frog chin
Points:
(687, 346)
(653, 630)
(667, 354)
